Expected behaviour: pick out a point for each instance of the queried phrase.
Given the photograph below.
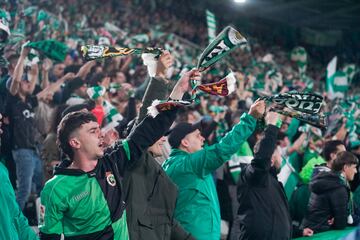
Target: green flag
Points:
(211, 24)
(288, 175)
(225, 42)
(340, 82)
(50, 48)
(349, 70)
(243, 156)
(334, 78)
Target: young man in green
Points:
(190, 167)
(84, 199)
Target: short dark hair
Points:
(330, 147)
(68, 125)
(342, 159)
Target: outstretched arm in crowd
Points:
(85, 69)
(157, 88)
(150, 129)
(266, 147)
(49, 91)
(18, 71)
(45, 68)
(208, 159)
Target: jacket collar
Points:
(176, 152)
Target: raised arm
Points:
(267, 145)
(85, 69)
(55, 86)
(18, 71)
(34, 76)
(207, 160)
(45, 68)
(151, 129)
(157, 88)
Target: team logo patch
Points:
(110, 178)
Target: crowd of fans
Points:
(317, 167)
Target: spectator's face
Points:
(25, 87)
(350, 171)
(193, 142)
(123, 92)
(120, 77)
(58, 70)
(191, 118)
(88, 141)
(81, 92)
(156, 148)
(284, 142)
(105, 82)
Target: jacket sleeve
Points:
(338, 203)
(157, 89)
(51, 214)
(179, 233)
(208, 159)
(262, 158)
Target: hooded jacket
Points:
(329, 199)
(263, 207)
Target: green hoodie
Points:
(13, 224)
(197, 208)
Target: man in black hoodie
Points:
(330, 205)
(263, 208)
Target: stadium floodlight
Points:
(239, 1)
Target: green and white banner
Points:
(349, 70)
(243, 156)
(337, 82)
(211, 24)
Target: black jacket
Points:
(329, 199)
(263, 212)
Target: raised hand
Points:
(257, 109)
(183, 84)
(166, 60)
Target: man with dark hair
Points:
(75, 92)
(330, 205)
(331, 148)
(190, 166)
(85, 199)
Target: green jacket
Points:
(13, 224)
(197, 208)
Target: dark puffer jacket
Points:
(329, 199)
